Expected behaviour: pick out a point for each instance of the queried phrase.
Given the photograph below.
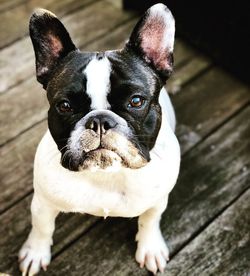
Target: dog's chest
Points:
(127, 193)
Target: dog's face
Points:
(104, 110)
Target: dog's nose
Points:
(100, 124)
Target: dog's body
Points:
(110, 149)
(124, 193)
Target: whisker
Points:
(63, 148)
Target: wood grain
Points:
(205, 103)
(16, 19)
(17, 166)
(206, 186)
(223, 248)
(191, 69)
(7, 4)
(15, 226)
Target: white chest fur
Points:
(126, 192)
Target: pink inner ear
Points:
(153, 42)
(55, 45)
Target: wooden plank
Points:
(210, 179)
(195, 66)
(17, 166)
(16, 64)
(84, 27)
(205, 103)
(15, 224)
(15, 20)
(223, 248)
(182, 53)
(24, 105)
(7, 4)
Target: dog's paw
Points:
(33, 257)
(152, 252)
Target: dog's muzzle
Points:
(101, 140)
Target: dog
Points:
(110, 147)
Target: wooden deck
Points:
(207, 223)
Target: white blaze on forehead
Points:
(98, 82)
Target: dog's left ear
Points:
(51, 43)
(153, 39)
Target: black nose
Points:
(100, 124)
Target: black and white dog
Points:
(110, 149)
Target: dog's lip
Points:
(101, 149)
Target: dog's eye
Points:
(64, 107)
(136, 102)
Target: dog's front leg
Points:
(152, 250)
(35, 252)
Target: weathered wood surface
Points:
(223, 248)
(15, 226)
(16, 172)
(16, 19)
(17, 60)
(206, 186)
(196, 65)
(7, 4)
(206, 102)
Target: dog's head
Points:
(104, 108)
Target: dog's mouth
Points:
(101, 158)
(109, 153)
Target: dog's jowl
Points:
(110, 148)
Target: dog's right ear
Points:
(153, 39)
(51, 43)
